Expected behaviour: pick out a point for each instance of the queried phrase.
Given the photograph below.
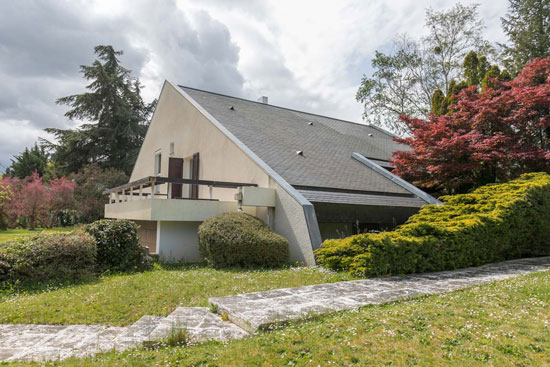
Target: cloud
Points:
(307, 55)
(42, 45)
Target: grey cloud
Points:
(42, 45)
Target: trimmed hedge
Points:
(118, 247)
(238, 239)
(493, 223)
(48, 257)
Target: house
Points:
(308, 177)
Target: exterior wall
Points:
(177, 120)
(289, 221)
(178, 241)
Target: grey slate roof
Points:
(316, 196)
(275, 134)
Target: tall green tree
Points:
(476, 72)
(116, 118)
(527, 25)
(403, 81)
(29, 161)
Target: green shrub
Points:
(118, 247)
(493, 223)
(48, 257)
(238, 239)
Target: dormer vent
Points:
(371, 135)
(232, 108)
(310, 123)
(300, 152)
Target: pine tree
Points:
(527, 25)
(117, 114)
(31, 160)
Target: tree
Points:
(31, 160)
(117, 114)
(527, 25)
(5, 197)
(31, 201)
(404, 81)
(90, 182)
(489, 135)
(476, 72)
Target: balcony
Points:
(148, 199)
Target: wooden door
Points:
(175, 170)
(195, 176)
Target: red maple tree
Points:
(491, 135)
(35, 201)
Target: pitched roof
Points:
(275, 134)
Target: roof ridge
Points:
(290, 109)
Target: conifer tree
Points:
(115, 115)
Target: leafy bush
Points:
(493, 223)
(238, 239)
(118, 247)
(48, 257)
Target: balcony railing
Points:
(136, 188)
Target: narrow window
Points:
(158, 162)
(172, 148)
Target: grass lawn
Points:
(122, 299)
(12, 234)
(501, 324)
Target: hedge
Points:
(118, 247)
(48, 257)
(493, 223)
(238, 239)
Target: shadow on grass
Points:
(11, 289)
(27, 287)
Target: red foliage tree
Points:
(489, 136)
(35, 201)
(32, 200)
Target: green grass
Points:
(121, 299)
(12, 234)
(501, 324)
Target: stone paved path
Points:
(254, 311)
(248, 312)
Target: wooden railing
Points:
(135, 188)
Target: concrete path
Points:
(248, 312)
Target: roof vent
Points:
(371, 135)
(232, 108)
(310, 123)
(263, 99)
(300, 152)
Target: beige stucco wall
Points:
(177, 120)
(289, 221)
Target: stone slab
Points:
(259, 310)
(200, 324)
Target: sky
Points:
(306, 55)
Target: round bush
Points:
(48, 257)
(238, 239)
(118, 247)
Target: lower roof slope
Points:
(275, 134)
